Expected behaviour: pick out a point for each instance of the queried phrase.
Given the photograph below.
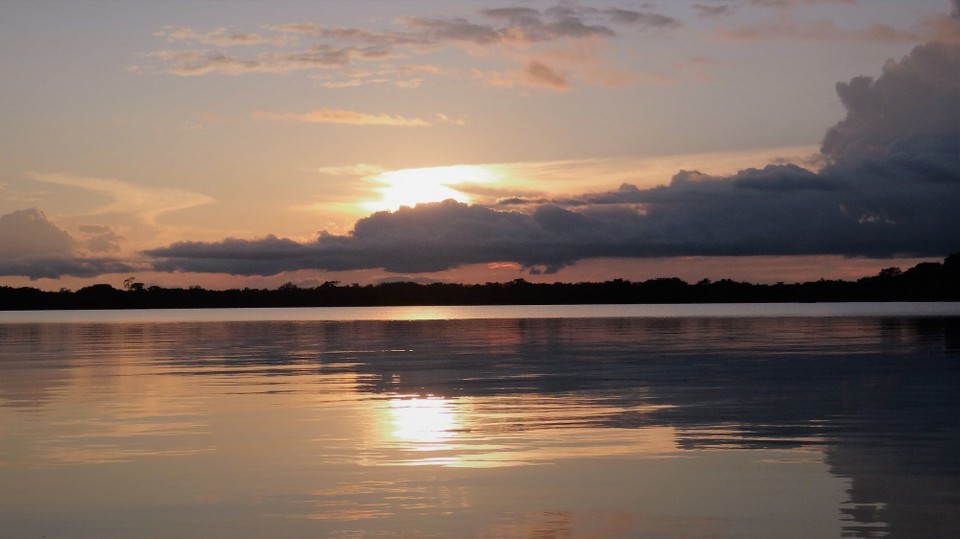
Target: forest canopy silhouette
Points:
(927, 281)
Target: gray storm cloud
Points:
(918, 97)
(891, 188)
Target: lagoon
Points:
(793, 420)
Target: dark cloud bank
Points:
(891, 188)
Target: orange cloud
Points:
(340, 116)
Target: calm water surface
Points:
(547, 422)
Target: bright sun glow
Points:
(411, 186)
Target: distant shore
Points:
(929, 281)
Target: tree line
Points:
(928, 281)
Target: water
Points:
(723, 310)
(594, 421)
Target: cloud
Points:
(401, 76)
(642, 19)
(531, 25)
(444, 119)
(100, 238)
(201, 62)
(891, 187)
(502, 33)
(145, 203)
(430, 237)
(778, 210)
(538, 74)
(222, 37)
(189, 63)
(358, 170)
(350, 83)
(715, 11)
(28, 233)
(339, 116)
(357, 35)
(916, 97)
(790, 4)
(456, 29)
(34, 246)
(54, 268)
(15, 195)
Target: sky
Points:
(238, 143)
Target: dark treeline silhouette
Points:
(928, 281)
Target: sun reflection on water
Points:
(425, 423)
(422, 430)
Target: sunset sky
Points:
(229, 144)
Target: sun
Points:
(412, 186)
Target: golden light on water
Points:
(412, 186)
(425, 423)
(485, 433)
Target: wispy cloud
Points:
(790, 4)
(643, 19)
(356, 171)
(517, 34)
(361, 36)
(201, 62)
(144, 203)
(222, 37)
(403, 76)
(350, 83)
(721, 10)
(339, 116)
(444, 119)
(539, 74)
